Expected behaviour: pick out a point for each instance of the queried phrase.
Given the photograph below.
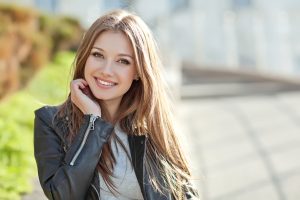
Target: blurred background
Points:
(233, 67)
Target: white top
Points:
(124, 177)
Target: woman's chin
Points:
(105, 98)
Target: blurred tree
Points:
(28, 40)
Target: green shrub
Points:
(16, 125)
(65, 32)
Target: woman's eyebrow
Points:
(121, 54)
(95, 47)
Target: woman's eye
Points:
(124, 61)
(96, 54)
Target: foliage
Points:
(65, 32)
(16, 125)
(29, 39)
(17, 13)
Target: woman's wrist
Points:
(95, 112)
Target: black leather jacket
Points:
(68, 171)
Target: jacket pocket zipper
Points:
(86, 134)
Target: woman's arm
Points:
(68, 175)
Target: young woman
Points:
(113, 137)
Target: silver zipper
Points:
(96, 191)
(91, 126)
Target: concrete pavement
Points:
(37, 193)
(244, 148)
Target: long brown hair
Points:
(144, 109)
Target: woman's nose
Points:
(107, 68)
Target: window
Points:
(113, 4)
(178, 4)
(238, 4)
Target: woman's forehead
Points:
(115, 42)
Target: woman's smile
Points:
(104, 84)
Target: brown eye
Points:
(97, 54)
(124, 61)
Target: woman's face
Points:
(110, 67)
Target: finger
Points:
(77, 84)
(85, 82)
(81, 80)
(81, 85)
(74, 84)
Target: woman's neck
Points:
(112, 107)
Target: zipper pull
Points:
(92, 121)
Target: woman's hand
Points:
(82, 97)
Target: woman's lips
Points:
(104, 84)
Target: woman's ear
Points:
(136, 77)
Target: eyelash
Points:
(122, 61)
(96, 54)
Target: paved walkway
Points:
(37, 193)
(244, 148)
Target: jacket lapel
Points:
(137, 146)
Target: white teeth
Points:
(105, 83)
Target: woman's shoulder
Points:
(46, 113)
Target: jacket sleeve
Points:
(68, 175)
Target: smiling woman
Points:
(113, 137)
